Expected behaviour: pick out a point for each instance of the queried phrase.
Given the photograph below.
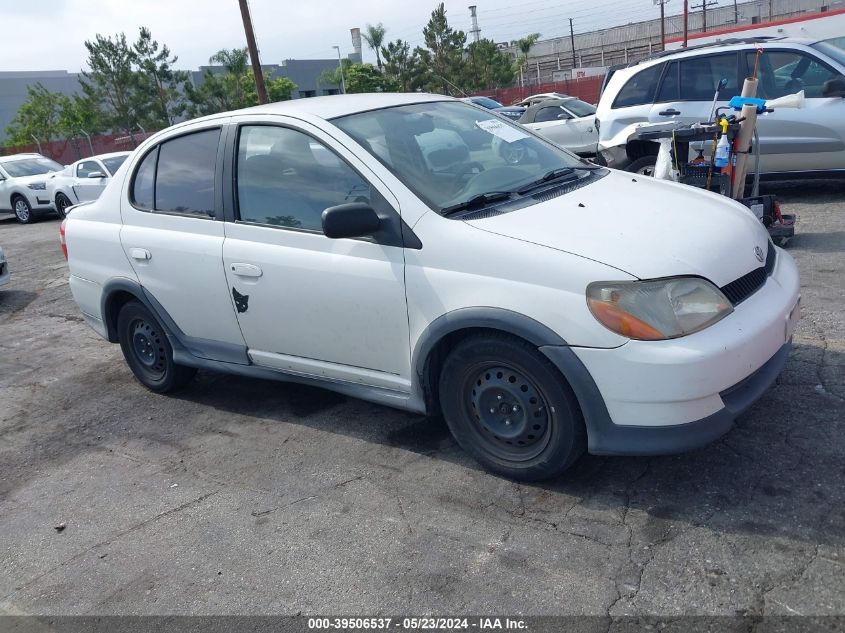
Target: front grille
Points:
(740, 289)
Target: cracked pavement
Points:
(254, 497)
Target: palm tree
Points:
(235, 62)
(374, 36)
(524, 45)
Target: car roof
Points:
(332, 106)
(547, 103)
(11, 157)
(727, 44)
(102, 156)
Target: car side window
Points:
(87, 167)
(787, 72)
(551, 113)
(640, 88)
(701, 75)
(286, 178)
(670, 86)
(185, 173)
(143, 185)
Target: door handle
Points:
(669, 112)
(246, 270)
(141, 254)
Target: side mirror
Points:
(96, 174)
(355, 219)
(834, 87)
(563, 116)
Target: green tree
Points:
(111, 83)
(37, 117)
(402, 65)
(443, 56)
(157, 98)
(359, 78)
(524, 45)
(374, 36)
(486, 67)
(235, 64)
(278, 89)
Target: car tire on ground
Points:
(147, 350)
(23, 212)
(510, 408)
(643, 166)
(62, 203)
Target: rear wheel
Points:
(62, 203)
(510, 409)
(23, 212)
(643, 166)
(147, 350)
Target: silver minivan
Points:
(680, 86)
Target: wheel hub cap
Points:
(146, 343)
(21, 210)
(508, 408)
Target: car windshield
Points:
(486, 102)
(113, 163)
(579, 108)
(449, 153)
(834, 48)
(30, 167)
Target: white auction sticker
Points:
(504, 131)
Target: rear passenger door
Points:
(173, 236)
(689, 84)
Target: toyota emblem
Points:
(758, 252)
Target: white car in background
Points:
(570, 123)
(4, 268)
(23, 185)
(83, 180)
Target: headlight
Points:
(657, 310)
(38, 186)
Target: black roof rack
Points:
(760, 39)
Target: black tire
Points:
(62, 203)
(147, 350)
(22, 209)
(643, 166)
(510, 408)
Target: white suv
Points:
(23, 185)
(323, 241)
(680, 86)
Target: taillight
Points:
(62, 240)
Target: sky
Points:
(50, 34)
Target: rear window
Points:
(640, 88)
(114, 163)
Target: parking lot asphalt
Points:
(255, 497)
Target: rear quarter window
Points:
(640, 88)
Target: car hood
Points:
(646, 227)
(25, 180)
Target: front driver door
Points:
(307, 304)
(85, 187)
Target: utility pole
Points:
(703, 6)
(572, 41)
(686, 22)
(340, 65)
(736, 13)
(662, 4)
(260, 88)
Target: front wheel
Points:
(643, 166)
(147, 350)
(509, 408)
(23, 212)
(62, 204)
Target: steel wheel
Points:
(148, 347)
(511, 414)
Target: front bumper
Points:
(658, 397)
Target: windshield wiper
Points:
(554, 174)
(476, 201)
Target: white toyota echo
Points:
(544, 307)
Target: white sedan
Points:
(83, 180)
(359, 245)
